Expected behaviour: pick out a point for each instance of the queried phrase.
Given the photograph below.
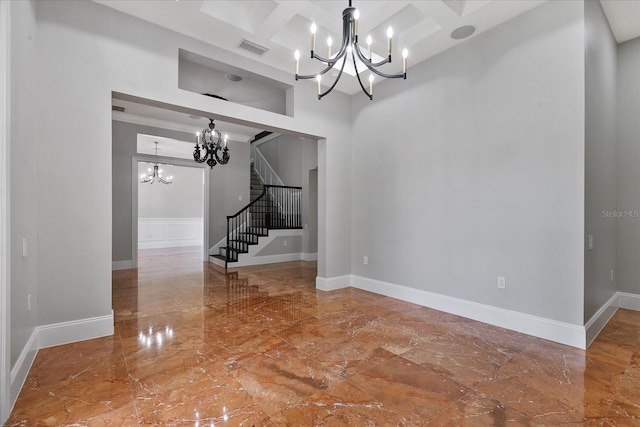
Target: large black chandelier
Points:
(212, 142)
(350, 46)
(156, 174)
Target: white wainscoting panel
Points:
(154, 233)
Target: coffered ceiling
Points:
(282, 26)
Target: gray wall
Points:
(183, 198)
(292, 158)
(600, 170)
(628, 166)
(124, 147)
(201, 79)
(23, 186)
(277, 246)
(477, 169)
(227, 184)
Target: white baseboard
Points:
(22, 366)
(52, 335)
(121, 265)
(333, 283)
(629, 301)
(600, 318)
(309, 257)
(553, 330)
(76, 330)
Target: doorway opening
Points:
(171, 218)
(167, 218)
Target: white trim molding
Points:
(6, 403)
(598, 321)
(601, 318)
(309, 256)
(52, 335)
(553, 330)
(333, 283)
(629, 301)
(156, 233)
(122, 265)
(75, 330)
(23, 365)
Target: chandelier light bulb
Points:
(319, 79)
(389, 37)
(369, 41)
(389, 32)
(314, 28)
(405, 53)
(329, 43)
(296, 55)
(370, 84)
(356, 16)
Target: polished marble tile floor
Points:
(262, 347)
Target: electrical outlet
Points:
(24, 248)
(590, 242)
(240, 198)
(502, 282)
(365, 261)
(612, 277)
(29, 302)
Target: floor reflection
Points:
(261, 346)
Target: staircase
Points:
(257, 186)
(271, 207)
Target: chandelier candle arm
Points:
(335, 82)
(349, 46)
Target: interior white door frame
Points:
(134, 199)
(5, 273)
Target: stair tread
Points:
(223, 258)
(233, 249)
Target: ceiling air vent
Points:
(253, 47)
(116, 108)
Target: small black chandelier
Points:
(211, 140)
(155, 175)
(350, 45)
